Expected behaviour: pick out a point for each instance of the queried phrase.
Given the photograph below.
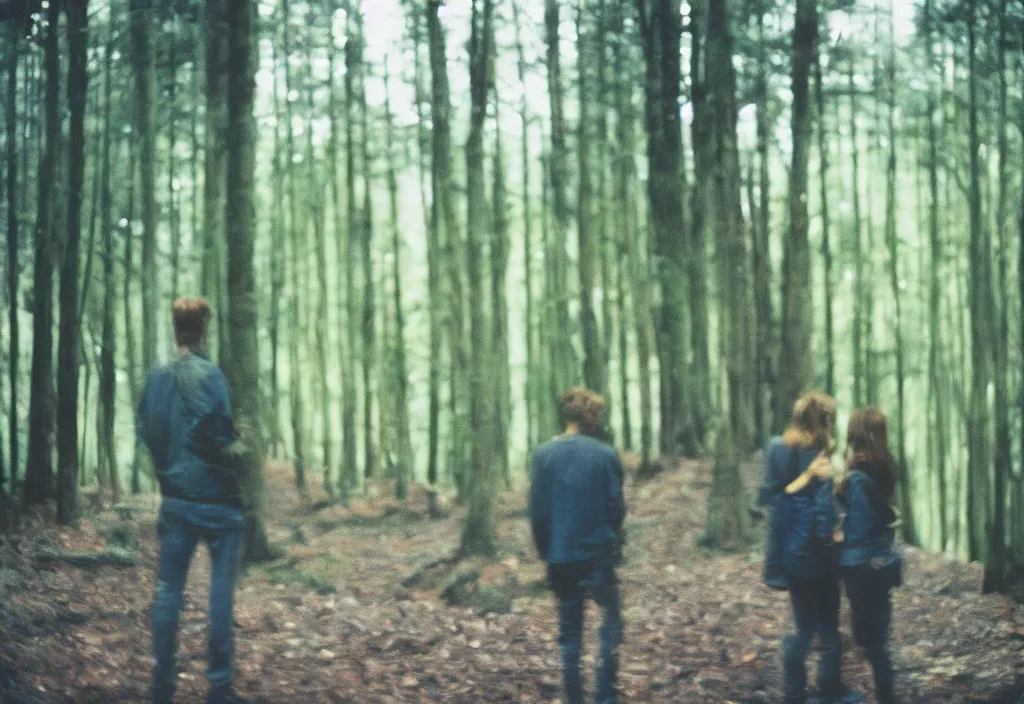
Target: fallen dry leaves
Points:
(331, 622)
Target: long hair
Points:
(867, 443)
(813, 424)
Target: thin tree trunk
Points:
(244, 369)
(979, 461)
(369, 313)
(478, 530)
(593, 356)
(826, 243)
(143, 64)
(68, 345)
(796, 370)
(501, 375)
(860, 283)
(995, 566)
(935, 390)
(277, 266)
(296, 231)
(173, 212)
(907, 526)
(13, 270)
(214, 175)
(563, 359)
(39, 465)
(434, 291)
(401, 381)
(108, 351)
(764, 418)
(532, 389)
(349, 466)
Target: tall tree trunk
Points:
(243, 371)
(860, 280)
(403, 451)
(626, 200)
(143, 65)
(764, 418)
(434, 291)
(979, 461)
(173, 211)
(533, 388)
(826, 228)
(68, 346)
(277, 264)
(939, 426)
(39, 465)
(995, 566)
(349, 466)
(905, 498)
(501, 381)
(108, 350)
(13, 266)
(478, 530)
(445, 220)
(563, 362)
(127, 297)
(369, 313)
(297, 228)
(683, 415)
(214, 175)
(798, 373)
(727, 507)
(593, 356)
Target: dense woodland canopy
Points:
(419, 220)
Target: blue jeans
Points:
(573, 583)
(181, 526)
(815, 610)
(871, 613)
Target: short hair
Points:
(814, 420)
(191, 319)
(581, 406)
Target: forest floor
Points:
(351, 614)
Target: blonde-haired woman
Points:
(801, 556)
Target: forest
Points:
(418, 221)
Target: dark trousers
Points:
(182, 526)
(573, 583)
(871, 612)
(815, 610)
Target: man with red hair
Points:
(576, 511)
(184, 418)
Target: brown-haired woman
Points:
(869, 563)
(801, 555)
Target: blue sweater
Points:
(799, 545)
(184, 419)
(576, 503)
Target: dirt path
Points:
(333, 623)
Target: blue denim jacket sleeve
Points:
(540, 505)
(858, 514)
(616, 501)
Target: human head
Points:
(867, 442)
(581, 407)
(814, 421)
(191, 318)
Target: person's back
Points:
(184, 419)
(576, 512)
(576, 508)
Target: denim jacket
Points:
(868, 533)
(184, 419)
(799, 546)
(576, 503)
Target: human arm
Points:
(857, 524)
(820, 468)
(540, 506)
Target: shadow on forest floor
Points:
(365, 607)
